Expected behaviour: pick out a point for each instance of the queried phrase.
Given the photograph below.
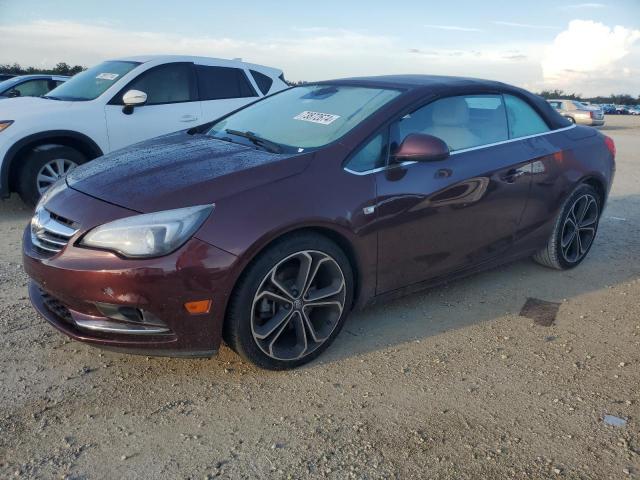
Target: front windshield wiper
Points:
(256, 140)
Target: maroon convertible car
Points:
(268, 226)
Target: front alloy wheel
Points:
(290, 303)
(298, 305)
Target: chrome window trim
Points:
(464, 150)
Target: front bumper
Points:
(69, 288)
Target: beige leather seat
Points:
(449, 122)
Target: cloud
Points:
(581, 6)
(589, 55)
(524, 25)
(454, 28)
(302, 54)
(515, 57)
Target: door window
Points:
(170, 83)
(461, 122)
(216, 83)
(33, 88)
(523, 119)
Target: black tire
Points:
(27, 180)
(553, 255)
(237, 331)
(571, 119)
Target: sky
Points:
(591, 48)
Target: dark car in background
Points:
(30, 85)
(268, 226)
(6, 76)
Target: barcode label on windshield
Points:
(317, 117)
(107, 76)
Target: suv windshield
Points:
(309, 116)
(93, 82)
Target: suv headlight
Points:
(150, 234)
(4, 124)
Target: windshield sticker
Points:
(107, 76)
(317, 117)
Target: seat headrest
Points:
(450, 112)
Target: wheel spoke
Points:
(42, 178)
(567, 239)
(61, 167)
(281, 317)
(279, 286)
(579, 246)
(306, 261)
(310, 328)
(51, 170)
(276, 337)
(272, 296)
(329, 291)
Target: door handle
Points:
(188, 118)
(512, 175)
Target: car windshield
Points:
(304, 117)
(93, 82)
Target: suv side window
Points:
(372, 154)
(523, 119)
(216, 83)
(263, 81)
(33, 88)
(170, 83)
(461, 122)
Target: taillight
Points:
(610, 145)
(592, 114)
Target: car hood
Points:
(180, 170)
(25, 107)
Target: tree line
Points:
(62, 68)
(622, 99)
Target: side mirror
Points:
(133, 98)
(419, 147)
(13, 93)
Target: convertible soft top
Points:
(439, 85)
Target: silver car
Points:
(578, 112)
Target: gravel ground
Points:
(449, 383)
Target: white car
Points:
(115, 104)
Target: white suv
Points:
(115, 104)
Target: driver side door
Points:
(437, 218)
(172, 105)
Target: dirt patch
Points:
(449, 383)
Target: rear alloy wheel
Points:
(45, 165)
(300, 291)
(574, 231)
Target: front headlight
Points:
(148, 235)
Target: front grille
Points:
(56, 307)
(50, 233)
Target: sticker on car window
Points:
(107, 76)
(317, 117)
